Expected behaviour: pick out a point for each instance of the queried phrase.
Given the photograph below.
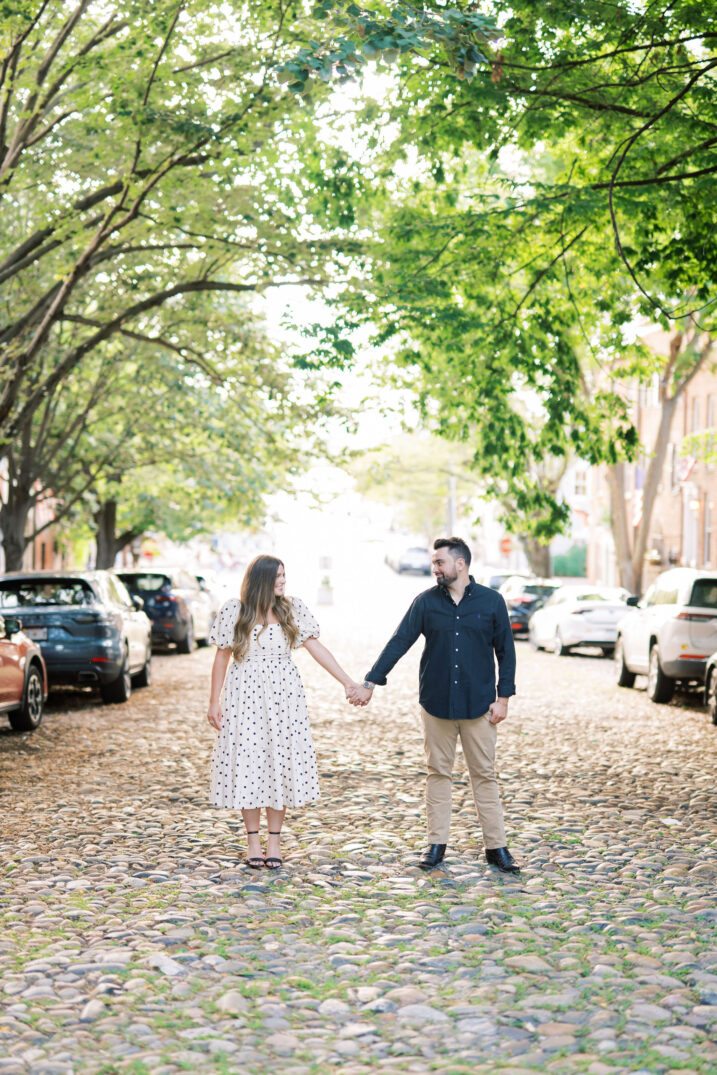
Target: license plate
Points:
(37, 634)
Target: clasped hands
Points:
(357, 694)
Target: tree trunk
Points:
(651, 487)
(105, 533)
(538, 556)
(619, 509)
(109, 542)
(13, 523)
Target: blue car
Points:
(89, 630)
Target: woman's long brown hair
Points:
(257, 600)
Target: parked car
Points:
(411, 559)
(710, 689)
(215, 592)
(494, 577)
(87, 626)
(180, 611)
(670, 634)
(523, 597)
(23, 677)
(578, 616)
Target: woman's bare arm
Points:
(326, 659)
(219, 671)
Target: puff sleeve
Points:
(305, 621)
(222, 632)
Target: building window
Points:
(710, 425)
(655, 390)
(695, 414)
(707, 534)
(674, 476)
(581, 483)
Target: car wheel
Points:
(624, 677)
(711, 696)
(144, 676)
(120, 689)
(187, 645)
(559, 647)
(660, 687)
(29, 716)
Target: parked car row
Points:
(92, 628)
(669, 635)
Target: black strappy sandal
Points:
(256, 862)
(273, 863)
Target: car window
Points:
(20, 593)
(666, 596)
(540, 591)
(704, 593)
(118, 591)
(649, 598)
(187, 582)
(149, 583)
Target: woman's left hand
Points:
(214, 716)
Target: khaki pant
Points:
(478, 738)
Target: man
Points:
(466, 627)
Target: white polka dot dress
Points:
(264, 754)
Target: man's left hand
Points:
(498, 711)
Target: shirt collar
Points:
(470, 588)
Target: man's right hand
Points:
(358, 695)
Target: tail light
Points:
(696, 617)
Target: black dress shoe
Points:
(502, 858)
(432, 856)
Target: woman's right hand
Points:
(214, 716)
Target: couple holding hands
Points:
(264, 755)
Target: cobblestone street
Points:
(135, 940)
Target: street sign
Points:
(506, 546)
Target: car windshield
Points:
(145, 583)
(704, 593)
(539, 591)
(20, 593)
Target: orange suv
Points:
(23, 677)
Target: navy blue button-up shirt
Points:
(457, 676)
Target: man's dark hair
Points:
(456, 546)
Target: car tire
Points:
(143, 678)
(559, 647)
(120, 689)
(711, 695)
(624, 677)
(660, 687)
(188, 644)
(29, 716)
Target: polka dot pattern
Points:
(264, 754)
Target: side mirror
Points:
(12, 626)
(138, 602)
(633, 601)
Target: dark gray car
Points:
(89, 630)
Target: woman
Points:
(264, 756)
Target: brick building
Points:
(683, 528)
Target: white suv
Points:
(670, 633)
